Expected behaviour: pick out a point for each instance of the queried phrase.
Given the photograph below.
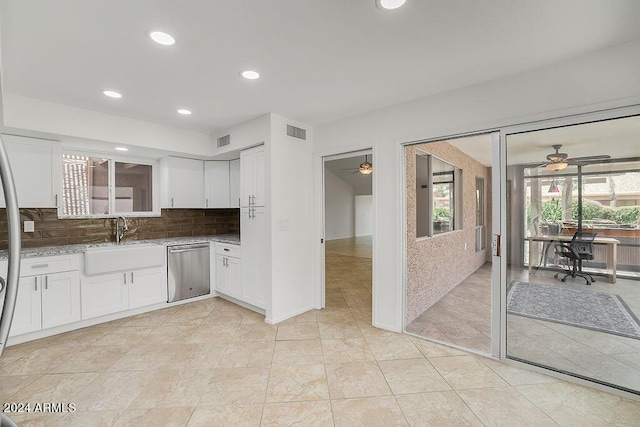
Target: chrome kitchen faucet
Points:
(120, 231)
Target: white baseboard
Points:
(288, 316)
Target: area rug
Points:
(583, 308)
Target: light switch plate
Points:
(29, 227)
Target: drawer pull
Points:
(40, 266)
(227, 249)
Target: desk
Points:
(612, 249)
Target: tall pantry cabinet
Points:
(253, 226)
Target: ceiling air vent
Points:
(223, 141)
(296, 132)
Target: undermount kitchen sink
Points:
(107, 259)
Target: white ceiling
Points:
(319, 60)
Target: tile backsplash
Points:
(50, 231)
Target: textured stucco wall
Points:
(435, 265)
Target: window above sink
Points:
(94, 186)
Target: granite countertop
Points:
(74, 249)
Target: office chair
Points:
(578, 250)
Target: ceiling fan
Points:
(558, 161)
(365, 168)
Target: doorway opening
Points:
(449, 273)
(348, 232)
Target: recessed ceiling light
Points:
(389, 4)
(250, 74)
(184, 112)
(122, 149)
(112, 94)
(162, 38)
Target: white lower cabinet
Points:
(229, 276)
(253, 227)
(46, 301)
(103, 294)
(60, 299)
(228, 270)
(27, 316)
(110, 293)
(147, 287)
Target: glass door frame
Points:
(500, 155)
(497, 162)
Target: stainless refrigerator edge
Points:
(9, 285)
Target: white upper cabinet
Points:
(252, 176)
(216, 184)
(234, 183)
(182, 183)
(35, 164)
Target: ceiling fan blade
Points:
(587, 159)
(533, 165)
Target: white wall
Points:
(364, 215)
(339, 207)
(244, 135)
(291, 206)
(603, 79)
(21, 112)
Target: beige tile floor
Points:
(601, 356)
(463, 316)
(213, 363)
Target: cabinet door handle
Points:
(35, 280)
(125, 278)
(172, 202)
(46, 282)
(132, 277)
(56, 200)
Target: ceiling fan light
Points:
(365, 168)
(557, 166)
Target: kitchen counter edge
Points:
(80, 248)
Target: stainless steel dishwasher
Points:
(188, 271)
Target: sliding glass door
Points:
(572, 240)
(451, 293)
